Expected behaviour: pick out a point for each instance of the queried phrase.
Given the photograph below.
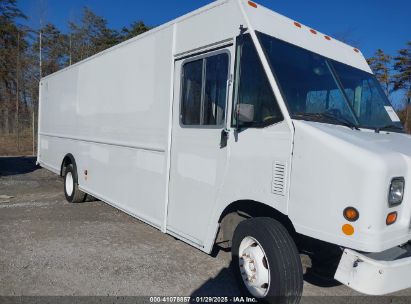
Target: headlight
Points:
(396, 191)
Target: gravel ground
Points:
(49, 247)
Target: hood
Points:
(334, 167)
(379, 143)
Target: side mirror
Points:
(245, 112)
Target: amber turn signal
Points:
(348, 229)
(351, 214)
(391, 218)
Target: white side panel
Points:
(250, 171)
(130, 179)
(121, 97)
(111, 113)
(253, 155)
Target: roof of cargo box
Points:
(259, 18)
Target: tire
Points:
(71, 190)
(266, 261)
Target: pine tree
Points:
(12, 48)
(381, 64)
(54, 47)
(402, 80)
(90, 36)
(135, 29)
(403, 67)
(10, 35)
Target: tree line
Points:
(27, 54)
(394, 74)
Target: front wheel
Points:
(266, 261)
(71, 190)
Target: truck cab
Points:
(321, 129)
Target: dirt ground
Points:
(49, 247)
(11, 144)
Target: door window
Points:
(192, 91)
(204, 91)
(253, 88)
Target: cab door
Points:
(199, 152)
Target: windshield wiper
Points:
(388, 128)
(327, 117)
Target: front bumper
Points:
(376, 273)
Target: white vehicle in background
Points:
(238, 127)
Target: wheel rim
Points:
(69, 184)
(254, 267)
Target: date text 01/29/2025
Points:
(203, 299)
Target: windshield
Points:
(318, 88)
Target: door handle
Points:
(224, 138)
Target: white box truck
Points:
(238, 127)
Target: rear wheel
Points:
(71, 190)
(266, 261)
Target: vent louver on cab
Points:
(279, 178)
